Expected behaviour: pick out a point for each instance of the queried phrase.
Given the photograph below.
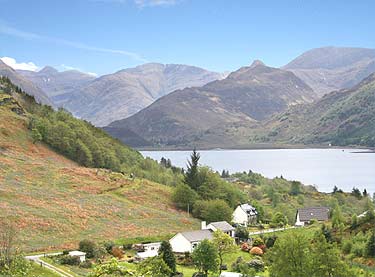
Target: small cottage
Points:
(187, 241)
(79, 254)
(245, 215)
(305, 215)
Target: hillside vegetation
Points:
(55, 202)
(344, 117)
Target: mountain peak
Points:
(48, 70)
(257, 63)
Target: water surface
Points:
(324, 168)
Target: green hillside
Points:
(55, 202)
(345, 117)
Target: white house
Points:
(245, 214)
(187, 241)
(305, 215)
(222, 226)
(81, 255)
(149, 250)
(230, 274)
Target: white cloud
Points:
(23, 66)
(153, 3)
(4, 29)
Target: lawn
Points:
(38, 271)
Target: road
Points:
(36, 259)
(270, 231)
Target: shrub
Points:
(117, 252)
(256, 251)
(86, 264)
(89, 247)
(108, 245)
(245, 247)
(257, 264)
(242, 233)
(258, 241)
(69, 260)
(347, 247)
(270, 241)
(357, 250)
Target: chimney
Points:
(203, 225)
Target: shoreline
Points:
(361, 149)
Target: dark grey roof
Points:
(250, 210)
(318, 213)
(223, 226)
(199, 235)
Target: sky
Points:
(103, 36)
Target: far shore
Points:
(361, 149)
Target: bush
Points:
(258, 241)
(357, 250)
(108, 245)
(245, 247)
(347, 247)
(117, 252)
(86, 264)
(69, 260)
(257, 264)
(89, 247)
(270, 241)
(256, 251)
(242, 233)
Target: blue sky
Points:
(103, 36)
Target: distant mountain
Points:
(122, 94)
(333, 68)
(181, 118)
(345, 117)
(27, 85)
(55, 83)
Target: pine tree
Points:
(192, 172)
(166, 253)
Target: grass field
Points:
(55, 203)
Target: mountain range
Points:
(180, 105)
(25, 84)
(333, 68)
(250, 94)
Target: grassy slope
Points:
(57, 203)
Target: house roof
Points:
(222, 226)
(318, 213)
(250, 210)
(152, 244)
(77, 253)
(198, 235)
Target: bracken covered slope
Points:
(56, 203)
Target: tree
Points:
(166, 253)
(356, 193)
(337, 217)
(89, 247)
(192, 172)
(184, 197)
(224, 245)
(279, 220)
(242, 233)
(295, 188)
(212, 210)
(35, 135)
(205, 257)
(12, 263)
(295, 255)
(154, 267)
(83, 154)
(370, 245)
